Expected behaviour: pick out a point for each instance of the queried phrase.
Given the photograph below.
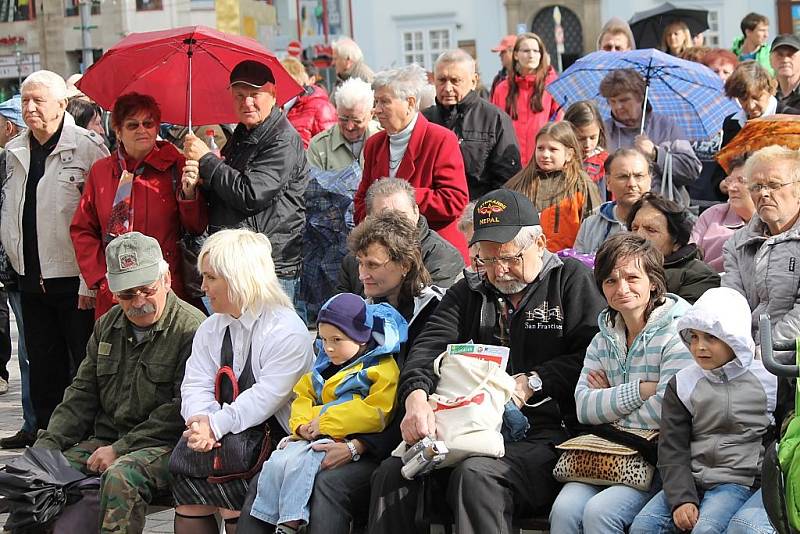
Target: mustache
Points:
(141, 311)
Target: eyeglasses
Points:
(771, 186)
(145, 291)
(638, 176)
(132, 126)
(371, 266)
(356, 122)
(505, 261)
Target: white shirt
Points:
(282, 353)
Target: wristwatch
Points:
(534, 382)
(353, 451)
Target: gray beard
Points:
(510, 287)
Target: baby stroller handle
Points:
(768, 348)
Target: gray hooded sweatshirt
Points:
(713, 422)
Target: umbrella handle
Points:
(189, 53)
(644, 103)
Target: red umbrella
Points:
(185, 69)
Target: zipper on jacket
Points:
(41, 283)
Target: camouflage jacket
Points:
(128, 392)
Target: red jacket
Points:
(157, 211)
(312, 114)
(527, 124)
(434, 166)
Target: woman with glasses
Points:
(522, 94)
(624, 376)
(138, 187)
(390, 266)
(668, 226)
(720, 221)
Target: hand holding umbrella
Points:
(190, 179)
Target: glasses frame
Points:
(757, 189)
(506, 261)
(145, 291)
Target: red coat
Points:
(157, 211)
(312, 114)
(434, 166)
(527, 124)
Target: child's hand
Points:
(685, 516)
(313, 428)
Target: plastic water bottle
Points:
(212, 144)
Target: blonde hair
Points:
(687, 38)
(773, 153)
(244, 259)
(295, 69)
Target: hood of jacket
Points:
(731, 326)
(607, 212)
(683, 255)
(389, 331)
(661, 317)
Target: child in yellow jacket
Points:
(350, 390)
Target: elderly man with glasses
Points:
(342, 144)
(545, 310)
(120, 418)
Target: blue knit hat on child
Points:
(348, 313)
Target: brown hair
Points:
(687, 38)
(749, 78)
(625, 245)
(678, 224)
(695, 53)
(542, 70)
(132, 103)
(751, 20)
(621, 81)
(527, 180)
(399, 236)
(583, 113)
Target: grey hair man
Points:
(123, 409)
(45, 171)
(785, 60)
(342, 144)
(348, 61)
(485, 133)
(555, 305)
(442, 260)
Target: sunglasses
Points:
(145, 291)
(132, 126)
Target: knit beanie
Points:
(348, 313)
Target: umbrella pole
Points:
(189, 53)
(644, 107)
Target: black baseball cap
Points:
(786, 39)
(499, 214)
(251, 73)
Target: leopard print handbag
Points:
(595, 460)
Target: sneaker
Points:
(20, 440)
(3, 386)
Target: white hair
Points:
(775, 153)
(404, 82)
(348, 49)
(455, 56)
(527, 235)
(45, 78)
(355, 93)
(244, 259)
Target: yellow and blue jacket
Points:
(360, 397)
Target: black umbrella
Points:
(35, 486)
(648, 26)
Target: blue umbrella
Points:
(688, 92)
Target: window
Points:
(424, 46)
(11, 10)
(71, 8)
(712, 33)
(148, 5)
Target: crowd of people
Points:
(156, 284)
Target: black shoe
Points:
(20, 440)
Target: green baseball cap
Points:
(132, 260)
